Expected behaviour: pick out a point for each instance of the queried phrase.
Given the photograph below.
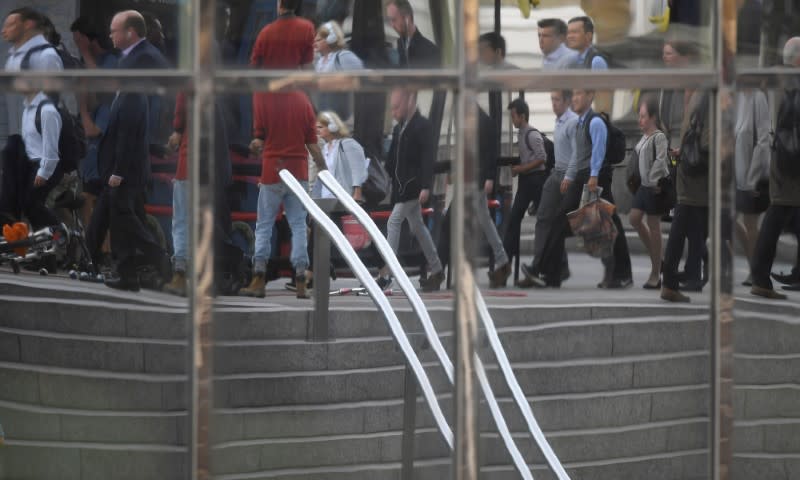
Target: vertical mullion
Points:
(465, 458)
(201, 268)
(722, 213)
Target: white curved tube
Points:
(516, 390)
(394, 265)
(377, 295)
(419, 307)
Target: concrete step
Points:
(553, 412)
(755, 402)
(25, 422)
(772, 436)
(684, 465)
(341, 450)
(747, 466)
(578, 376)
(88, 461)
(86, 389)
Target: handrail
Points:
(419, 307)
(385, 249)
(377, 295)
(516, 391)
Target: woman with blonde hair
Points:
(334, 57)
(345, 160)
(344, 156)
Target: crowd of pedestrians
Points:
(555, 175)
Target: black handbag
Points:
(694, 158)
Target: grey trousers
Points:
(548, 211)
(489, 229)
(412, 211)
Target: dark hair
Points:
(520, 107)
(495, 41)
(404, 6)
(588, 24)
(292, 5)
(49, 30)
(555, 23)
(27, 13)
(650, 102)
(566, 95)
(137, 23)
(92, 30)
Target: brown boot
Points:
(256, 287)
(178, 284)
(300, 283)
(499, 277)
(671, 295)
(767, 293)
(433, 283)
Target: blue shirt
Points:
(598, 62)
(563, 140)
(558, 58)
(599, 135)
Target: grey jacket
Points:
(347, 163)
(752, 160)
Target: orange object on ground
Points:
(15, 233)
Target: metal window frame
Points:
(204, 81)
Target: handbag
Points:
(376, 187)
(694, 158)
(633, 174)
(593, 223)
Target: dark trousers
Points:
(766, 245)
(120, 211)
(688, 223)
(19, 196)
(529, 189)
(617, 266)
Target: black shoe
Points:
(433, 283)
(790, 279)
(692, 286)
(748, 282)
(619, 284)
(565, 274)
(384, 282)
(123, 283)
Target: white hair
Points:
(791, 51)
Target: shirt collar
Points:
(128, 50)
(34, 41)
(585, 114)
(557, 53)
(39, 98)
(564, 116)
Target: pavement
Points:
(580, 289)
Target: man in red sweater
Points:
(284, 128)
(287, 43)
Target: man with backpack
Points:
(597, 149)
(784, 181)
(580, 37)
(30, 50)
(31, 164)
(531, 172)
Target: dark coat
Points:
(412, 155)
(422, 53)
(123, 150)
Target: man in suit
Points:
(413, 49)
(123, 162)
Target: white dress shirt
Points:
(41, 147)
(44, 60)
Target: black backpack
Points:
(786, 145)
(69, 62)
(549, 150)
(595, 52)
(616, 145)
(71, 140)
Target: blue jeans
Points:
(180, 224)
(270, 198)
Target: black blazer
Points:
(411, 158)
(123, 150)
(422, 53)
